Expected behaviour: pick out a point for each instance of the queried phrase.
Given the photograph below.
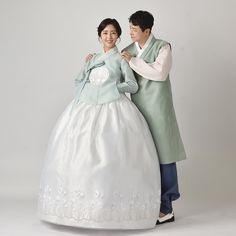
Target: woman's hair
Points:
(109, 21)
(143, 19)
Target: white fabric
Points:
(101, 169)
(140, 50)
(99, 75)
(156, 71)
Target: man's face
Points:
(137, 35)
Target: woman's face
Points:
(109, 37)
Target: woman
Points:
(101, 169)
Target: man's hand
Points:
(125, 55)
(89, 57)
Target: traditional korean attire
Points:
(101, 169)
(151, 65)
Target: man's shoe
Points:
(166, 218)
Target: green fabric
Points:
(120, 80)
(154, 100)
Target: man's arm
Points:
(156, 71)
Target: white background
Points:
(42, 48)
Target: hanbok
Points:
(101, 168)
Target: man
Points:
(150, 59)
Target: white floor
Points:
(18, 217)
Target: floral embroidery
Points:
(76, 206)
(99, 75)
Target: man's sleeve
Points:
(156, 71)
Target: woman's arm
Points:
(82, 73)
(129, 85)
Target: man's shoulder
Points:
(160, 42)
(129, 47)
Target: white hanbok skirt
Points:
(101, 169)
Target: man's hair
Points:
(143, 19)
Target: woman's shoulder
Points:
(118, 56)
(96, 55)
(120, 59)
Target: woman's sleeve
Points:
(129, 85)
(79, 78)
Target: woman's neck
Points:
(107, 49)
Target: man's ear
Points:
(147, 31)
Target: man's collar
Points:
(140, 50)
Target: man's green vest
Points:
(154, 100)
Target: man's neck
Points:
(142, 42)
